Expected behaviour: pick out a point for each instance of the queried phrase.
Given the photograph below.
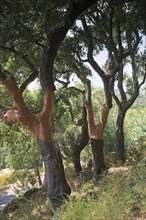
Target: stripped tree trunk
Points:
(40, 126)
(96, 140)
(57, 187)
(96, 134)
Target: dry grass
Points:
(35, 207)
(4, 180)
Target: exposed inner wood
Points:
(45, 117)
(39, 125)
(96, 131)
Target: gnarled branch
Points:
(39, 126)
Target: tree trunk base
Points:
(57, 188)
(98, 164)
(76, 161)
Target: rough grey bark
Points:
(56, 184)
(37, 171)
(98, 164)
(80, 145)
(120, 136)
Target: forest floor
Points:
(6, 196)
(7, 193)
(119, 195)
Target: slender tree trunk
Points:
(96, 132)
(37, 171)
(77, 152)
(98, 164)
(57, 187)
(96, 137)
(120, 136)
(80, 145)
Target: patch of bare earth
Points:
(113, 170)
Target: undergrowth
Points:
(120, 196)
(117, 196)
(4, 180)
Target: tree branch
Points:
(45, 117)
(114, 95)
(103, 120)
(87, 93)
(21, 56)
(91, 60)
(120, 84)
(76, 89)
(21, 114)
(143, 81)
(135, 93)
(78, 54)
(30, 79)
(55, 38)
(119, 38)
(32, 76)
(40, 126)
(111, 34)
(65, 84)
(138, 38)
(71, 114)
(107, 89)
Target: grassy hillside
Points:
(119, 195)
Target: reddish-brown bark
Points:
(45, 117)
(40, 125)
(96, 131)
(96, 139)
(57, 187)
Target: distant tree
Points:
(71, 65)
(76, 129)
(128, 37)
(120, 33)
(96, 132)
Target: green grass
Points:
(117, 196)
(120, 196)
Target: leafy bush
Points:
(135, 139)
